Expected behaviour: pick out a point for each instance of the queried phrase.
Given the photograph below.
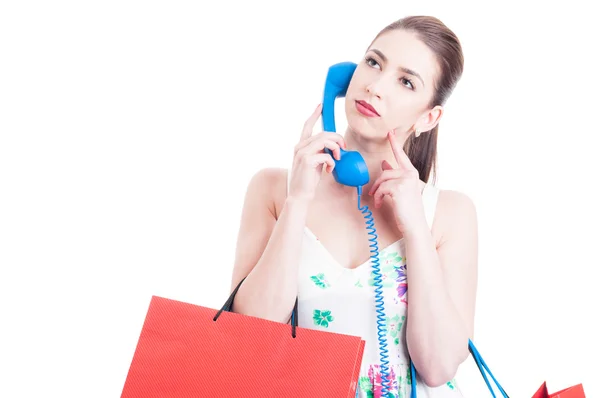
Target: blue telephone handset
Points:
(351, 170)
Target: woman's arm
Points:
(442, 285)
(268, 249)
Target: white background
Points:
(129, 131)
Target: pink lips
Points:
(366, 109)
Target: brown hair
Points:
(422, 150)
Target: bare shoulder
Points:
(455, 214)
(258, 218)
(450, 202)
(270, 184)
(269, 177)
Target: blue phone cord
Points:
(381, 322)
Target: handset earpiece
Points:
(351, 169)
(336, 85)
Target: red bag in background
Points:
(571, 392)
(186, 350)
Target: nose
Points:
(376, 87)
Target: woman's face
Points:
(396, 78)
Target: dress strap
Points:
(430, 199)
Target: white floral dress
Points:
(341, 300)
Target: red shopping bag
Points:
(186, 350)
(571, 392)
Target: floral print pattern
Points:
(388, 274)
(400, 383)
(393, 274)
(393, 326)
(322, 318)
(320, 280)
(372, 384)
(402, 286)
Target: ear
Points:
(430, 119)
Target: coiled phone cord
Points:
(381, 322)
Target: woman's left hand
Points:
(403, 187)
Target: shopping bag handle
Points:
(480, 364)
(229, 303)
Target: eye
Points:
(371, 62)
(406, 81)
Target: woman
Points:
(301, 234)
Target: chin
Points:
(362, 126)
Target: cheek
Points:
(405, 109)
(353, 88)
(348, 104)
(397, 117)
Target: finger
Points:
(387, 175)
(335, 137)
(401, 156)
(384, 189)
(310, 123)
(317, 146)
(333, 146)
(325, 135)
(322, 159)
(319, 137)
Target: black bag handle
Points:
(229, 303)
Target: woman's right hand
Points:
(310, 157)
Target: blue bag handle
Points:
(480, 364)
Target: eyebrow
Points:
(405, 70)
